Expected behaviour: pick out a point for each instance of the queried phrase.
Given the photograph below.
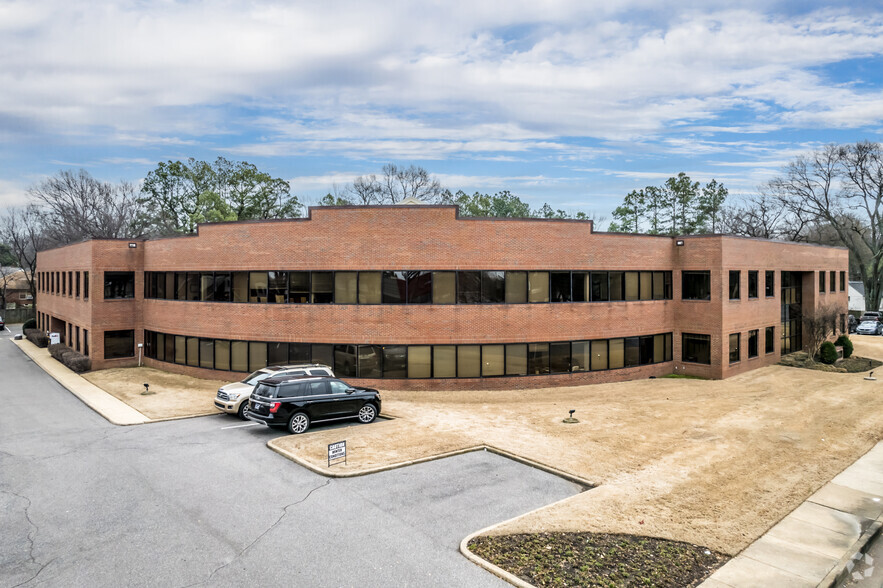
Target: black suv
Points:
(295, 402)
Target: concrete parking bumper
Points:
(814, 545)
(108, 406)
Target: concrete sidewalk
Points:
(114, 410)
(814, 545)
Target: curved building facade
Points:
(416, 297)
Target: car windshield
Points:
(871, 324)
(256, 377)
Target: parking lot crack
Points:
(32, 533)
(276, 523)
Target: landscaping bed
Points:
(852, 365)
(598, 559)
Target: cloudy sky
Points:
(572, 102)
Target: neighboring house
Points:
(15, 292)
(857, 298)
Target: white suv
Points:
(233, 398)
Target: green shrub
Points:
(37, 337)
(828, 353)
(29, 324)
(843, 341)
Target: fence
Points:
(12, 316)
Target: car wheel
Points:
(243, 409)
(299, 423)
(367, 413)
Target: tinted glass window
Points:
(752, 343)
(299, 353)
(277, 353)
(616, 281)
(770, 340)
(559, 357)
(192, 351)
(317, 388)
(118, 344)
(299, 287)
(492, 360)
(734, 347)
(319, 372)
(240, 286)
(395, 361)
(223, 287)
(444, 361)
(735, 278)
(420, 361)
(337, 387)
(265, 391)
(516, 359)
(369, 288)
(646, 286)
(346, 360)
(599, 287)
(752, 284)
(419, 287)
(537, 358)
(257, 286)
(516, 287)
(345, 290)
(444, 287)
(119, 285)
(696, 285)
(468, 287)
(207, 287)
(323, 354)
(770, 286)
(222, 355)
(696, 348)
(194, 286)
(322, 287)
(632, 351)
(493, 287)
(291, 391)
(538, 286)
(206, 353)
(278, 287)
(580, 286)
(370, 357)
(468, 361)
(394, 287)
(560, 287)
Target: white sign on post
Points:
(54, 338)
(337, 451)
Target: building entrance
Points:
(792, 317)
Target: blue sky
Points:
(574, 103)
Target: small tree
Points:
(843, 341)
(828, 353)
(819, 325)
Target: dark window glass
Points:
(419, 287)
(647, 350)
(395, 361)
(770, 283)
(277, 353)
(193, 286)
(696, 286)
(346, 361)
(580, 286)
(169, 286)
(370, 358)
(323, 354)
(770, 343)
(560, 287)
(842, 281)
(696, 348)
(119, 285)
(299, 287)
(735, 278)
(322, 287)
(468, 287)
(292, 391)
(493, 287)
(537, 358)
(150, 279)
(735, 352)
(299, 353)
(559, 357)
(581, 356)
(616, 285)
(180, 286)
(394, 287)
(599, 287)
(118, 344)
(170, 348)
(822, 281)
(668, 288)
(668, 347)
(632, 351)
(277, 286)
(832, 284)
(223, 287)
(752, 284)
(752, 343)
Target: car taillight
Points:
(275, 406)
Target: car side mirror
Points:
(350, 390)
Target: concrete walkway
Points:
(814, 545)
(108, 406)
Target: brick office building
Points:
(421, 298)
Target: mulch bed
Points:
(598, 559)
(852, 365)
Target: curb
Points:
(840, 571)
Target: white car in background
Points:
(233, 398)
(870, 328)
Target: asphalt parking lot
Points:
(202, 501)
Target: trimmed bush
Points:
(843, 341)
(57, 350)
(29, 324)
(37, 337)
(828, 353)
(77, 362)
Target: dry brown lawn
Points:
(174, 395)
(713, 463)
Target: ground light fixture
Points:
(570, 419)
(147, 390)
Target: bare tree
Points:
(7, 274)
(22, 229)
(819, 325)
(394, 185)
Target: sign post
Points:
(336, 452)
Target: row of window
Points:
(72, 334)
(408, 287)
(736, 284)
(64, 283)
(832, 281)
(696, 348)
(415, 361)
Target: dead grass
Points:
(712, 463)
(174, 395)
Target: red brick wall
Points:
(432, 238)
